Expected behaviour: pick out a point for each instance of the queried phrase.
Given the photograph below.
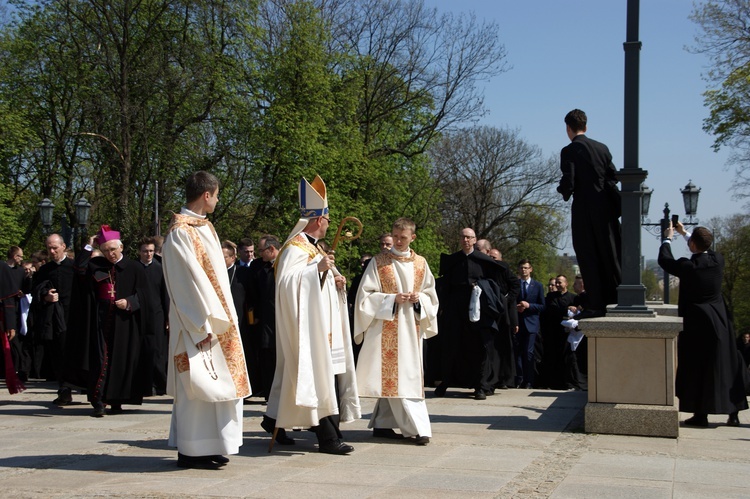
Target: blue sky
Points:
(567, 55)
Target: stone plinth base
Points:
(633, 419)
(631, 363)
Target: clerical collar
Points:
(191, 213)
(61, 259)
(312, 240)
(146, 264)
(400, 253)
(469, 253)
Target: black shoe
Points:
(197, 462)
(218, 459)
(733, 420)
(269, 424)
(98, 412)
(422, 440)
(386, 433)
(526, 386)
(440, 390)
(479, 395)
(115, 409)
(697, 420)
(64, 397)
(335, 446)
(589, 314)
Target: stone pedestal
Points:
(632, 363)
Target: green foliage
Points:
(651, 282)
(11, 228)
(119, 101)
(732, 240)
(724, 39)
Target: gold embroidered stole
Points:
(229, 342)
(389, 335)
(300, 241)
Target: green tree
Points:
(501, 186)
(724, 39)
(732, 240)
(119, 100)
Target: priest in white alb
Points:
(207, 375)
(313, 343)
(396, 309)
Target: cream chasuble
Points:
(313, 343)
(390, 362)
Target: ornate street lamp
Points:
(646, 192)
(46, 209)
(690, 199)
(83, 210)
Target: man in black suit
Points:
(530, 305)
(709, 367)
(589, 176)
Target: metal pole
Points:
(631, 294)
(157, 225)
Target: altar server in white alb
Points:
(396, 310)
(207, 373)
(313, 342)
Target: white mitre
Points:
(313, 202)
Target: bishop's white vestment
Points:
(208, 382)
(389, 365)
(313, 342)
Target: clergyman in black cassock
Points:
(589, 176)
(710, 372)
(109, 324)
(467, 349)
(52, 291)
(155, 347)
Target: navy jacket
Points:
(529, 320)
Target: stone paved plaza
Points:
(517, 443)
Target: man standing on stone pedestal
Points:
(589, 176)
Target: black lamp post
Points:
(631, 294)
(690, 201)
(83, 210)
(46, 209)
